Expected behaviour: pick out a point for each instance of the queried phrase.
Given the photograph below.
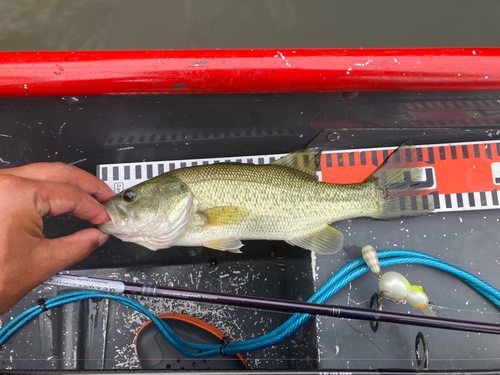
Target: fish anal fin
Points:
(304, 161)
(231, 245)
(326, 240)
(226, 215)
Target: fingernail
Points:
(103, 238)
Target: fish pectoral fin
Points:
(226, 244)
(327, 240)
(304, 161)
(225, 215)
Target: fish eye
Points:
(129, 195)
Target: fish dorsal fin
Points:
(304, 161)
(326, 240)
(224, 215)
(231, 245)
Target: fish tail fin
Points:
(403, 180)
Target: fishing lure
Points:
(396, 287)
(371, 259)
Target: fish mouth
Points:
(118, 217)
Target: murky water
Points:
(155, 24)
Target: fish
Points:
(219, 205)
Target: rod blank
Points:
(335, 311)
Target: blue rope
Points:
(343, 277)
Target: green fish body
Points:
(218, 205)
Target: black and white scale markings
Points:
(124, 175)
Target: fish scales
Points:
(282, 203)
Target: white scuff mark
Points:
(279, 54)
(59, 136)
(78, 161)
(486, 77)
(364, 64)
(125, 148)
(5, 135)
(458, 74)
(473, 52)
(313, 266)
(4, 161)
(337, 349)
(396, 61)
(61, 128)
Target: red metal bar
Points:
(247, 71)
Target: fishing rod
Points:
(346, 312)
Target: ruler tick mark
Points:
(328, 160)
(430, 153)
(447, 198)
(374, 158)
(385, 154)
(362, 157)
(487, 151)
(442, 153)
(494, 196)
(453, 150)
(351, 158)
(413, 200)
(402, 203)
(465, 152)
(472, 201)
(483, 198)
(340, 159)
(425, 202)
(397, 156)
(477, 154)
(408, 155)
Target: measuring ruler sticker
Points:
(460, 176)
(121, 176)
(457, 176)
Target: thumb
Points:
(65, 251)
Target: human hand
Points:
(27, 258)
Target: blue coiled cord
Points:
(343, 277)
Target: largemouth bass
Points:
(219, 205)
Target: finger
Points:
(69, 174)
(55, 198)
(61, 253)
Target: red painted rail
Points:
(247, 71)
